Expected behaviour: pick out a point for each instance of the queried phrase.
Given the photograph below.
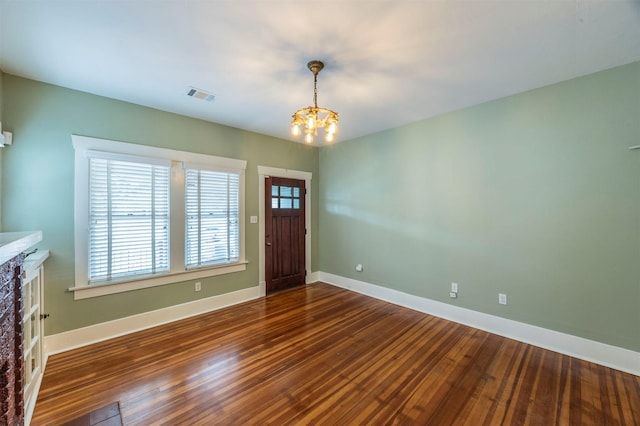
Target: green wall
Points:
(1, 91)
(1, 120)
(535, 195)
(38, 179)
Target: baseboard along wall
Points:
(84, 336)
(600, 353)
(588, 350)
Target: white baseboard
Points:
(578, 347)
(61, 342)
(588, 350)
(313, 277)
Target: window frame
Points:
(177, 271)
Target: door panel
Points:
(284, 233)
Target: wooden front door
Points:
(284, 233)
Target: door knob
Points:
(268, 244)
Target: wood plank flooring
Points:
(323, 355)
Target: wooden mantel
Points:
(14, 243)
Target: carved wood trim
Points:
(11, 360)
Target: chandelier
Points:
(313, 117)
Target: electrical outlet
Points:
(198, 286)
(454, 287)
(359, 267)
(502, 298)
(453, 295)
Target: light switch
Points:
(254, 219)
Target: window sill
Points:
(96, 290)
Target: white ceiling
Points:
(388, 63)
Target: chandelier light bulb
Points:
(295, 130)
(311, 122)
(332, 128)
(308, 138)
(329, 137)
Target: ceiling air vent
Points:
(200, 94)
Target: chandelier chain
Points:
(315, 90)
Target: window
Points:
(149, 216)
(285, 197)
(128, 217)
(212, 217)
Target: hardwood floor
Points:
(323, 355)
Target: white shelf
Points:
(13, 243)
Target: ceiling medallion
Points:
(313, 117)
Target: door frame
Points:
(263, 172)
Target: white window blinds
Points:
(128, 216)
(212, 215)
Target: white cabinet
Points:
(33, 333)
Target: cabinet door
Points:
(32, 331)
